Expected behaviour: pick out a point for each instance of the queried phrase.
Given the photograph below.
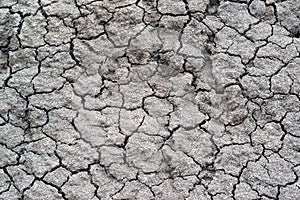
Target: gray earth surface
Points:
(149, 99)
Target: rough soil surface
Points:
(149, 99)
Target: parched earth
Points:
(149, 99)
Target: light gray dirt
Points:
(149, 99)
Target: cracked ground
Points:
(149, 99)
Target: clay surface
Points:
(149, 99)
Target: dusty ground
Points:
(149, 99)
